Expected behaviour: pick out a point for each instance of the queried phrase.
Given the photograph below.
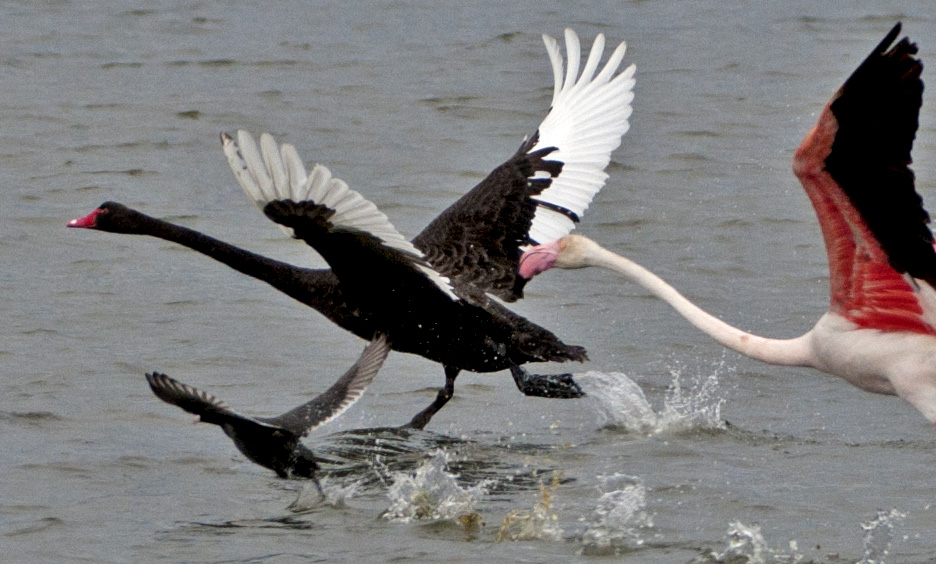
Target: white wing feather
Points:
(588, 117)
(277, 173)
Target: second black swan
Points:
(275, 442)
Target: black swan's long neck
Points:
(317, 288)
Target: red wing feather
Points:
(857, 178)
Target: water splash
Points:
(746, 545)
(696, 407)
(432, 493)
(879, 535)
(618, 517)
(745, 542)
(336, 495)
(623, 404)
(540, 523)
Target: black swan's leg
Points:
(318, 486)
(560, 386)
(445, 394)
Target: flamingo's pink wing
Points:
(854, 166)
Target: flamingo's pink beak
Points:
(86, 222)
(538, 259)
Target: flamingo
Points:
(879, 333)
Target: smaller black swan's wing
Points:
(539, 194)
(342, 395)
(207, 407)
(260, 440)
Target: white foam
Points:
(336, 495)
(618, 516)
(431, 493)
(879, 536)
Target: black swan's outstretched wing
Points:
(534, 197)
(275, 178)
(338, 398)
(206, 406)
(292, 424)
(385, 276)
(539, 194)
(323, 211)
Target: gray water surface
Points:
(412, 104)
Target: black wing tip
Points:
(164, 386)
(903, 49)
(886, 46)
(299, 214)
(158, 379)
(889, 38)
(888, 82)
(877, 110)
(887, 56)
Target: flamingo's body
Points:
(880, 331)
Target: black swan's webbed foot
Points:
(423, 417)
(558, 386)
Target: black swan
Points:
(880, 331)
(536, 196)
(274, 442)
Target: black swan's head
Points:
(112, 217)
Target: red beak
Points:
(86, 222)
